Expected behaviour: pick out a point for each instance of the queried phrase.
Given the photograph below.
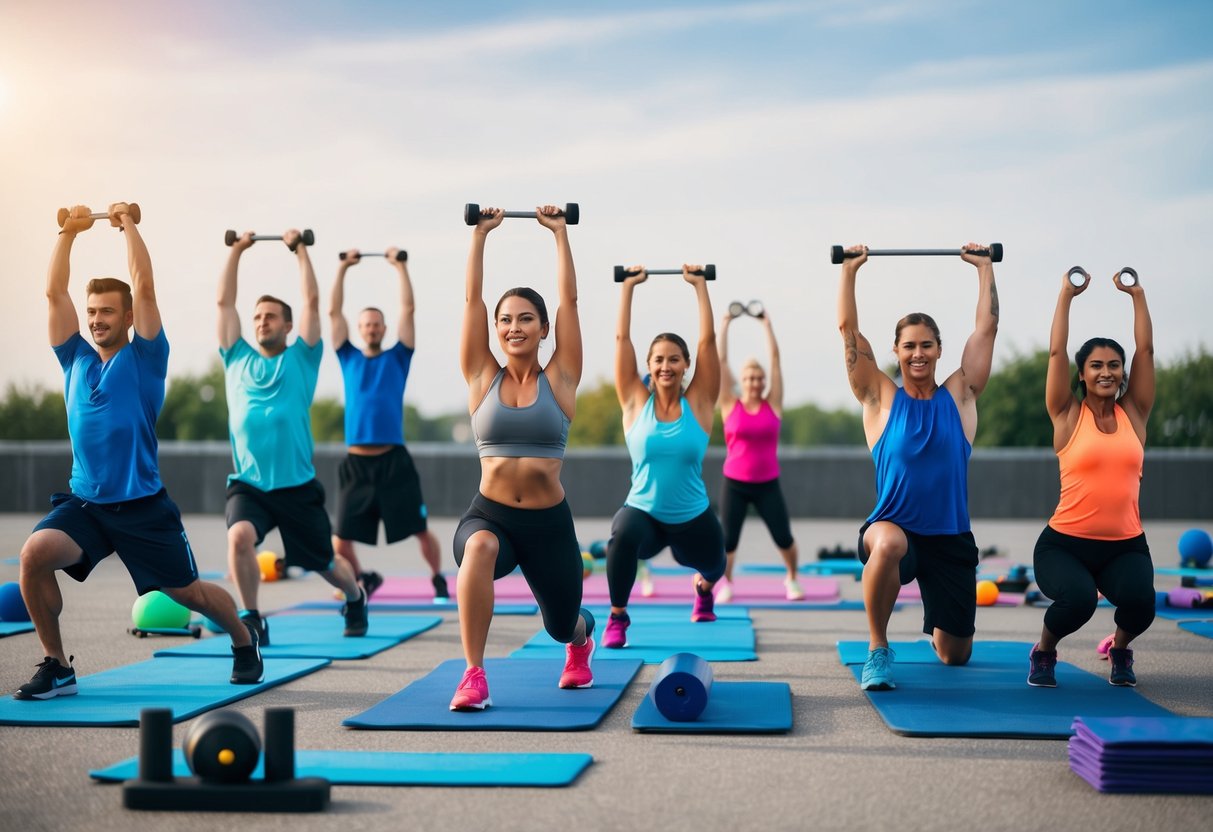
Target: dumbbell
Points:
(838, 253)
(1079, 276)
(471, 213)
(307, 237)
(136, 215)
(708, 272)
(1128, 276)
(754, 309)
(401, 256)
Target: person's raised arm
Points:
(143, 287)
(567, 356)
(1138, 400)
(629, 387)
(339, 327)
(309, 315)
(406, 327)
(775, 388)
(475, 357)
(978, 357)
(229, 318)
(863, 374)
(704, 388)
(727, 397)
(63, 321)
(1059, 399)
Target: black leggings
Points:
(737, 496)
(543, 544)
(636, 536)
(1070, 570)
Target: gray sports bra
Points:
(538, 430)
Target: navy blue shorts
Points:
(146, 533)
(297, 512)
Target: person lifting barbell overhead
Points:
(920, 435)
(666, 428)
(1094, 542)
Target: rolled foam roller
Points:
(682, 686)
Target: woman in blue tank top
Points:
(520, 417)
(667, 431)
(920, 435)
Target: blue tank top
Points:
(374, 394)
(538, 430)
(667, 465)
(922, 462)
(111, 417)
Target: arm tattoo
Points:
(993, 300)
(850, 350)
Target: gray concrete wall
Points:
(818, 483)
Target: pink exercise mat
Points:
(910, 593)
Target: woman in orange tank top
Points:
(1094, 542)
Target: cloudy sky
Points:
(750, 135)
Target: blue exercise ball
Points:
(12, 605)
(1195, 548)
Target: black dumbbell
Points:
(994, 252)
(136, 215)
(402, 256)
(307, 237)
(708, 272)
(571, 213)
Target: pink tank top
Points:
(751, 441)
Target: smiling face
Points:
(667, 364)
(519, 327)
(108, 321)
(918, 351)
(1103, 373)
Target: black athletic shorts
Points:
(946, 568)
(374, 488)
(299, 514)
(146, 533)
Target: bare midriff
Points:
(521, 482)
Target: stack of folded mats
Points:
(1134, 754)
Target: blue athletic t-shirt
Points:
(374, 394)
(112, 409)
(667, 465)
(269, 413)
(922, 466)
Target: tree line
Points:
(1011, 412)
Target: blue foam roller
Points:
(682, 686)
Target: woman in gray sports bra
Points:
(520, 419)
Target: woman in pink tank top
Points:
(751, 465)
(1094, 542)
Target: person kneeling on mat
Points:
(1094, 541)
(114, 393)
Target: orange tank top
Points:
(1100, 480)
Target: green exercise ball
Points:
(156, 611)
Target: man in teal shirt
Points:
(269, 396)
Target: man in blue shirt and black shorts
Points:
(269, 396)
(114, 393)
(377, 479)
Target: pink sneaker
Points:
(577, 665)
(1104, 646)
(473, 691)
(616, 635)
(702, 610)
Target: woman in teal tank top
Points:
(667, 429)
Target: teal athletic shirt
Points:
(374, 394)
(268, 413)
(112, 409)
(667, 466)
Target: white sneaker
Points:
(724, 591)
(795, 593)
(647, 589)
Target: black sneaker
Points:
(50, 680)
(355, 615)
(1042, 665)
(247, 666)
(370, 581)
(441, 593)
(255, 621)
(1122, 674)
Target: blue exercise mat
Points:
(1186, 571)
(12, 628)
(1200, 628)
(317, 636)
(403, 768)
(921, 652)
(840, 566)
(992, 699)
(188, 687)
(653, 638)
(733, 708)
(413, 606)
(525, 695)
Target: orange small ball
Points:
(987, 593)
(267, 562)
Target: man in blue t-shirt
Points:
(377, 479)
(269, 396)
(116, 502)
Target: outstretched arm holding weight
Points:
(1060, 402)
(704, 388)
(967, 382)
(871, 386)
(1138, 399)
(309, 313)
(229, 316)
(406, 328)
(475, 358)
(629, 387)
(143, 288)
(63, 320)
(728, 384)
(775, 389)
(339, 327)
(564, 370)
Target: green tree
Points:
(1183, 406)
(195, 407)
(808, 424)
(328, 420)
(1011, 410)
(32, 413)
(599, 418)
